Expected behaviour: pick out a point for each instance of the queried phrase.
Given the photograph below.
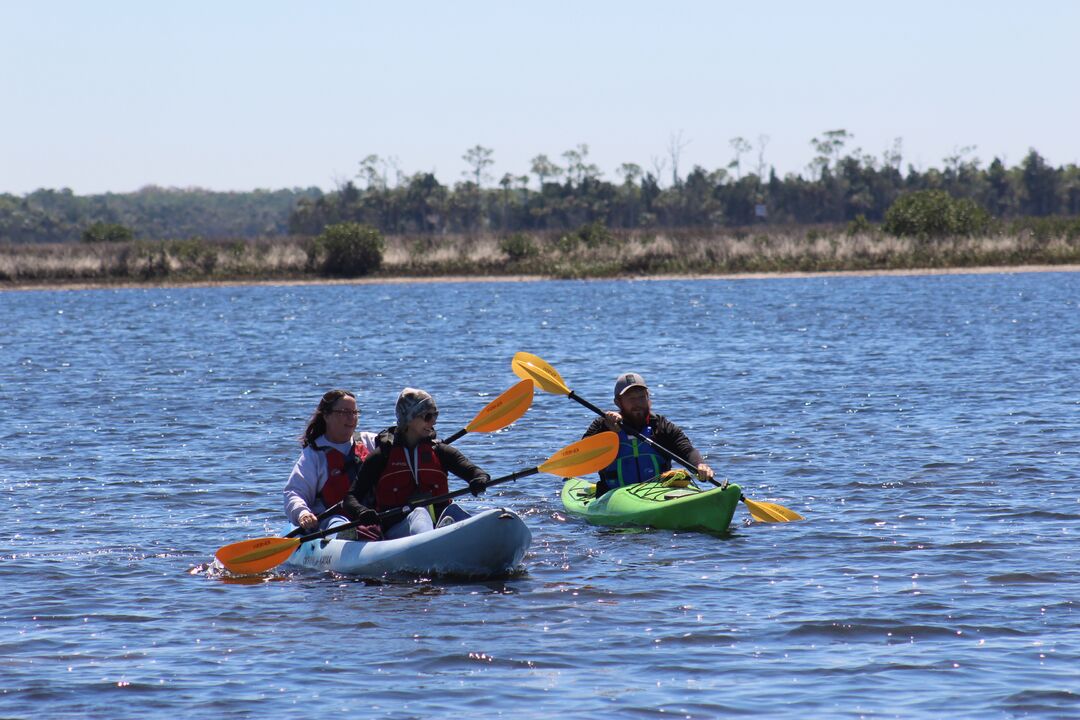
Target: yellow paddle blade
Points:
(588, 455)
(787, 513)
(547, 378)
(540, 363)
(770, 512)
(250, 557)
(504, 409)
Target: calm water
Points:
(928, 427)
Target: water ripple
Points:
(925, 427)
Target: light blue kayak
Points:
(488, 544)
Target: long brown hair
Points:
(317, 424)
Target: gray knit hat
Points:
(412, 403)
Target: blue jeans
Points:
(416, 522)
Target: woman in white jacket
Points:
(329, 459)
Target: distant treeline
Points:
(150, 213)
(837, 188)
(842, 188)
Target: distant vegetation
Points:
(347, 250)
(838, 187)
(934, 214)
(848, 211)
(152, 213)
(591, 251)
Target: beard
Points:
(636, 418)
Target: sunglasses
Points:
(430, 417)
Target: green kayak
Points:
(653, 504)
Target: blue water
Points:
(927, 427)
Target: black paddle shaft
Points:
(459, 434)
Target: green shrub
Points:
(595, 234)
(518, 246)
(194, 254)
(107, 232)
(934, 214)
(567, 243)
(859, 226)
(350, 249)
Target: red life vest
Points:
(340, 472)
(396, 486)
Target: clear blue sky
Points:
(112, 95)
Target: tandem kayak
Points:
(489, 543)
(653, 504)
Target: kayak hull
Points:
(653, 504)
(488, 544)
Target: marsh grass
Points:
(585, 254)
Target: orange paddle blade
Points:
(588, 455)
(250, 557)
(504, 409)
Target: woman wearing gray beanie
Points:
(409, 464)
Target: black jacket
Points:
(362, 494)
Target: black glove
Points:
(358, 513)
(479, 485)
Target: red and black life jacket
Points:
(341, 471)
(410, 474)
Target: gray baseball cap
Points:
(628, 380)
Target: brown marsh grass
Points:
(554, 255)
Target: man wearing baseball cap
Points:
(638, 461)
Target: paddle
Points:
(586, 456)
(547, 378)
(500, 412)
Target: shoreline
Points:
(419, 280)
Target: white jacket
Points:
(309, 475)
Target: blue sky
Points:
(114, 95)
